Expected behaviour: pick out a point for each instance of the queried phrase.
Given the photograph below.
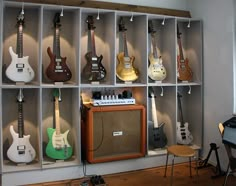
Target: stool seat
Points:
(181, 151)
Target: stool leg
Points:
(190, 167)
(172, 170)
(167, 155)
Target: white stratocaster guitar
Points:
(21, 151)
(183, 134)
(159, 137)
(156, 70)
(19, 69)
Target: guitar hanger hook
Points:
(189, 90)
(59, 97)
(132, 17)
(162, 92)
(98, 16)
(189, 25)
(61, 11)
(163, 22)
(22, 8)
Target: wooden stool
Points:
(180, 151)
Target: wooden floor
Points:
(154, 177)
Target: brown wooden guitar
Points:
(184, 72)
(57, 70)
(125, 70)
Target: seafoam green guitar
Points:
(58, 147)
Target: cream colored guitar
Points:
(156, 70)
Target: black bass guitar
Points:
(159, 137)
(93, 70)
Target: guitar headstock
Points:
(20, 95)
(150, 27)
(122, 25)
(178, 32)
(20, 19)
(57, 94)
(151, 93)
(57, 20)
(90, 22)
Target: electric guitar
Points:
(183, 134)
(57, 69)
(20, 151)
(159, 137)
(184, 72)
(156, 70)
(58, 147)
(93, 70)
(125, 70)
(19, 69)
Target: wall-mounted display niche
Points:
(110, 55)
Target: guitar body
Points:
(19, 69)
(58, 75)
(20, 151)
(58, 147)
(156, 70)
(94, 70)
(183, 134)
(125, 70)
(159, 137)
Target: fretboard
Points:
(57, 116)
(154, 46)
(180, 112)
(93, 43)
(180, 50)
(125, 45)
(20, 120)
(19, 44)
(56, 43)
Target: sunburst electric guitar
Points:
(19, 69)
(159, 137)
(125, 70)
(183, 134)
(58, 147)
(184, 72)
(93, 70)
(57, 70)
(20, 151)
(156, 70)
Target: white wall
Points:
(218, 31)
(176, 4)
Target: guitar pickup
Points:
(58, 70)
(94, 58)
(58, 60)
(58, 67)
(20, 65)
(21, 149)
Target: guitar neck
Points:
(180, 112)
(19, 45)
(57, 116)
(20, 120)
(154, 46)
(125, 45)
(154, 113)
(180, 50)
(56, 43)
(93, 43)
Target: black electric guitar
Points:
(57, 70)
(93, 70)
(159, 137)
(156, 70)
(183, 134)
(20, 151)
(125, 70)
(184, 72)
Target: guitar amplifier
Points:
(114, 133)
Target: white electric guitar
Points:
(19, 69)
(21, 151)
(156, 70)
(183, 134)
